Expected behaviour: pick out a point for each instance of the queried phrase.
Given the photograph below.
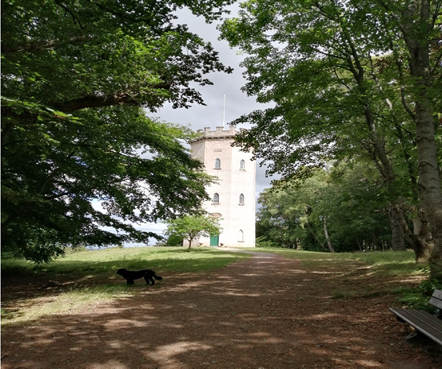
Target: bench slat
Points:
(436, 299)
(424, 322)
(437, 294)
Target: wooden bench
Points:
(422, 321)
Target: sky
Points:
(237, 102)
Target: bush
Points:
(263, 242)
(418, 297)
(174, 240)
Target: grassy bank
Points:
(382, 263)
(382, 273)
(86, 277)
(105, 262)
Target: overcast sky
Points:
(211, 115)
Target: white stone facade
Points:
(233, 198)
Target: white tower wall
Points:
(238, 220)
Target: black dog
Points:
(147, 274)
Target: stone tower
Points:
(233, 198)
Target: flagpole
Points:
(224, 112)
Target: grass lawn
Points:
(378, 268)
(105, 262)
(382, 263)
(89, 276)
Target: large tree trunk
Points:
(421, 249)
(416, 29)
(376, 147)
(385, 167)
(421, 230)
(397, 236)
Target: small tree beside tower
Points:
(192, 227)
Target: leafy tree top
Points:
(102, 53)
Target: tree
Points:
(82, 183)
(77, 79)
(192, 227)
(339, 209)
(318, 61)
(420, 25)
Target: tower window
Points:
(241, 199)
(242, 165)
(217, 163)
(215, 198)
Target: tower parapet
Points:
(218, 133)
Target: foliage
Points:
(292, 213)
(56, 196)
(80, 160)
(76, 54)
(263, 241)
(318, 81)
(418, 297)
(174, 240)
(192, 227)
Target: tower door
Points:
(214, 240)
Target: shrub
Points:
(418, 297)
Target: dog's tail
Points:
(157, 277)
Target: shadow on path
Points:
(265, 312)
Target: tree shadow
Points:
(263, 312)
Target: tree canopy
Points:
(343, 208)
(77, 54)
(79, 155)
(358, 79)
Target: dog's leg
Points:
(148, 279)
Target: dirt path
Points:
(266, 312)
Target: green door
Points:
(214, 240)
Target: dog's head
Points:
(121, 271)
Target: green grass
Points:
(382, 263)
(340, 294)
(89, 277)
(105, 262)
(67, 300)
(379, 264)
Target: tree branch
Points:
(147, 20)
(32, 47)
(74, 17)
(53, 174)
(94, 101)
